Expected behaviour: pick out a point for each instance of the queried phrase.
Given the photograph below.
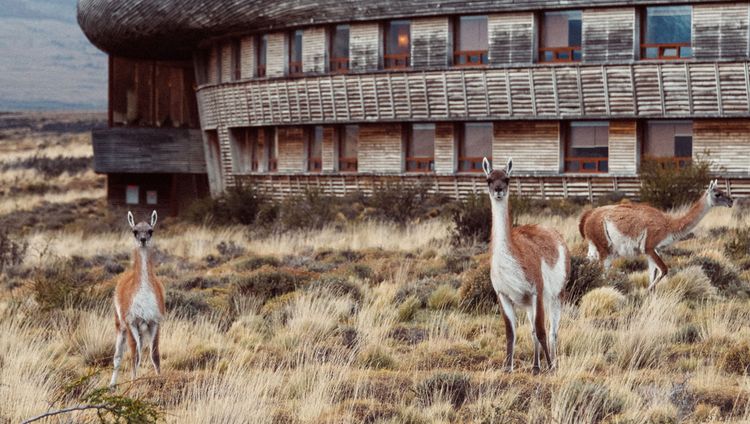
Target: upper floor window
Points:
(339, 44)
(236, 60)
(397, 44)
(475, 143)
(560, 39)
(295, 52)
(669, 142)
(272, 165)
(587, 147)
(245, 150)
(262, 52)
(420, 148)
(667, 32)
(315, 149)
(348, 148)
(219, 57)
(471, 41)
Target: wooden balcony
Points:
(396, 61)
(665, 51)
(470, 58)
(415, 164)
(577, 91)
(314, 165)
(470, 164)
(560, 54)
(598, 165)
(339, 65)
(347, 164)
(295, 69)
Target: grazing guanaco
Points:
(529, 268)
(632, 229)
(139, 302)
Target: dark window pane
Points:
(348, 147)
(665, 139)
(295, 48)
(587, 147)
(397, 44)
(668, 24)
(262, 50)
(340, 42)
(472, 33)
(683, 146)
(561, 29)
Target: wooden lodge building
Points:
(346, 94)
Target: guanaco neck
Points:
(142, 263)
(684, 224)
(500, 226)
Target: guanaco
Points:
(530, 267)
(632, 229)
(139, 302)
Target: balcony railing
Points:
(261, 71)
(415, 164)
(669, 162)
(470, 58)
(295, 68)
(560, 54)
(339, 65)
(470, 164)
(666, 51)
(348, 164)
(593, 165)
(396, 61)
(314, 165)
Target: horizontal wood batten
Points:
(459, 186)
(148, 150)
(647, 90)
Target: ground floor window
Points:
(269, 142)
(348, 147)
(668, 142)
(132, 194)
(474, 144)
(587, 147)
(420, 148)
(245, 150)
(151, 197)
(315, 149)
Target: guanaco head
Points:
(498, 180)
(716, 197)
(142, 231)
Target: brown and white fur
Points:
(632, 229)
(139, 302)
(529, 268)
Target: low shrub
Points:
(602, 302)
(726, 280)
(12, 250)
(584, 401)
(453, 387)
(472, 219)
(63, 284)
(444, 297)
(190, 304)
(585, 275)
(310, 210)
(737, 246)
(410, 335)
(476, 292)
(667, 187)
(420, 289)
(267, 282)
(736, 359)
(398, 202)
(689, 333)
(51, 166)
(195, 358)
(337, 286)
(238, 205)
(691, 282)
(254, 262)
(376, 357)
(630, 264)
(408, 308)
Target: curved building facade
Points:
(344, 95)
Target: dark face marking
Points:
(142, 233)
(719, 198)
(498, 184)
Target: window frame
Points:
(314, 164)
(408, 135)
(295, 68)
(261, 51)
(271, 146)
(583, 159)
(468, 55)
(666, 161)
(395, 61)
(351, 163)
(661, 47)
(556, 51)
(236, 59)
(474, 161)
(338, 65)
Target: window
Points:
(262, 51)
(315, 149)
(397, 44)
(295, 52)
(236, 60)
(245, 150)
(420, 148)
(131, 194)
(219, 62)
(202, 59)
(348, 148)
(587, 147)
(560, 39)
(271, 151)
(339, 44)
(151, 197)
(471, 41)
(666, 32)
(475, 143)
(669, 142)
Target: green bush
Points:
(239, 205)
(187, 304)
(63, 284)
(669, 186)
(337, 286)
(266, 283)
(398, 202)
(453, 387)
(312, 209)
(472, 219)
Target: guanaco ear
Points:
(509, 166)
(486, 166)
(131, 220)
(153, 219)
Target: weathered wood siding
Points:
(727, 142)
(139, 150)
(380, 148)
(174, 192)
(511, 38)
(623, 147)
(430, 42)
(445, 148)
(328, 155)
(314, 48)
(720, 31)
(226, 61)
(364, 46)
(277, 55)
(608, 34)
(213, 57)
(248, 57)
(670, 90)
(533, 145)
(291, 149)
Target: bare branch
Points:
(65, 411)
